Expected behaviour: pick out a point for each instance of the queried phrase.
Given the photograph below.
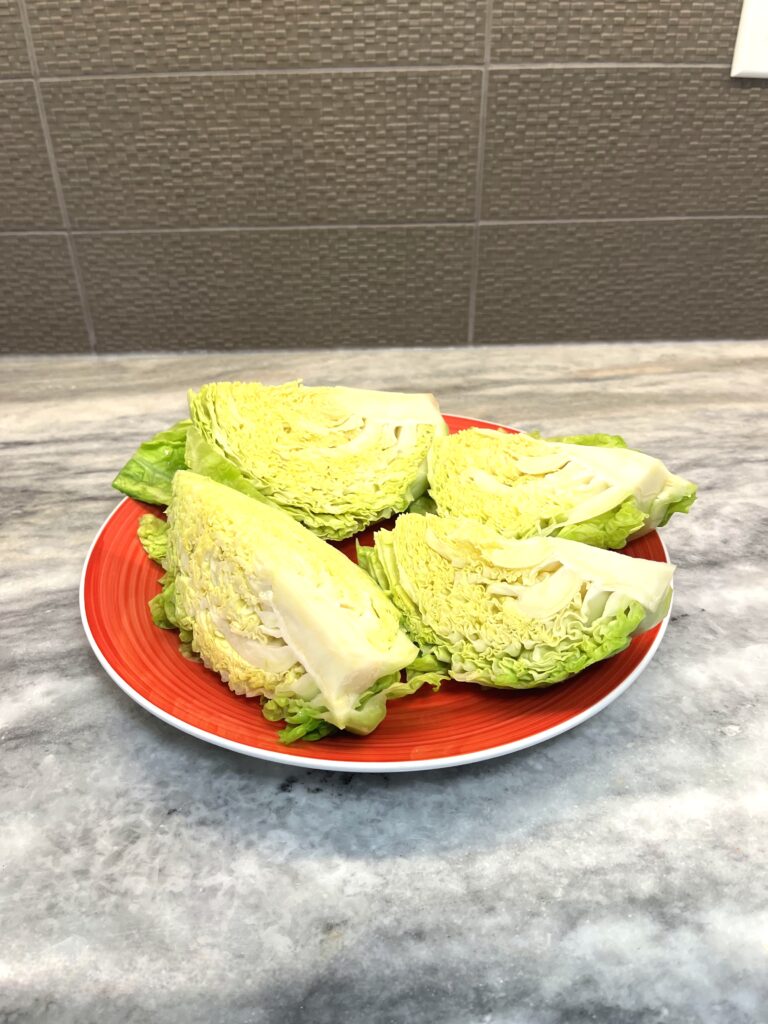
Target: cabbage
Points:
(588, 488)
(153, 534)
(596, 440)
(277, 612)
(488, 609)
(337, 459)
(148, 474)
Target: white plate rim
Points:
(353, 767)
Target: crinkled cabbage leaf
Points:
(489, 609)
(277, 612)
(588, 488)
(148, 474)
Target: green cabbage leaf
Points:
(594, 440)
(148, 474)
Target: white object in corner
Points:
(750, 57)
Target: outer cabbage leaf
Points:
(609, 530)
(277, 612)
(593, 440)
(307, 722)
(677, 496)
(423, 505)
(148, 474)
(153, 535)
(592, 489)
(491, 610)
(337, 459)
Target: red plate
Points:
(459, 724)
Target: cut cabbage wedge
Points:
(484, 608)
(277, 612)
(594, 490)
(337, 459)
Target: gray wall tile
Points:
(615, 30)
(625, 143)
(273, 149)
(27, 196)
(102, 36)
(225, 290)
(39, 304)
(606, 282)
(13, 46)
(137, 153)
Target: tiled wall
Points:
(203, 174)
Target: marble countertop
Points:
(616, 874)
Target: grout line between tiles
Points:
(366, 69)
(474, 266)
(33, 233)
(586, 65)
(361, 69)
(57, 186)
(374, 226)
(27, 30)
(80, 285)
(623, 220)
(270, 228)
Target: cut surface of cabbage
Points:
(277, 612)
(484, 608)
(524, 486)
(336, 458)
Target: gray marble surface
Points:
(616, 874)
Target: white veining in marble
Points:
(615, 875)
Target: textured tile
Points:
(625, 142)
(148, 35)
(621, 281)
(27, 197)
(638, 30)
(225, 290)
(39, 305)
(13, 46)
(267, 150)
